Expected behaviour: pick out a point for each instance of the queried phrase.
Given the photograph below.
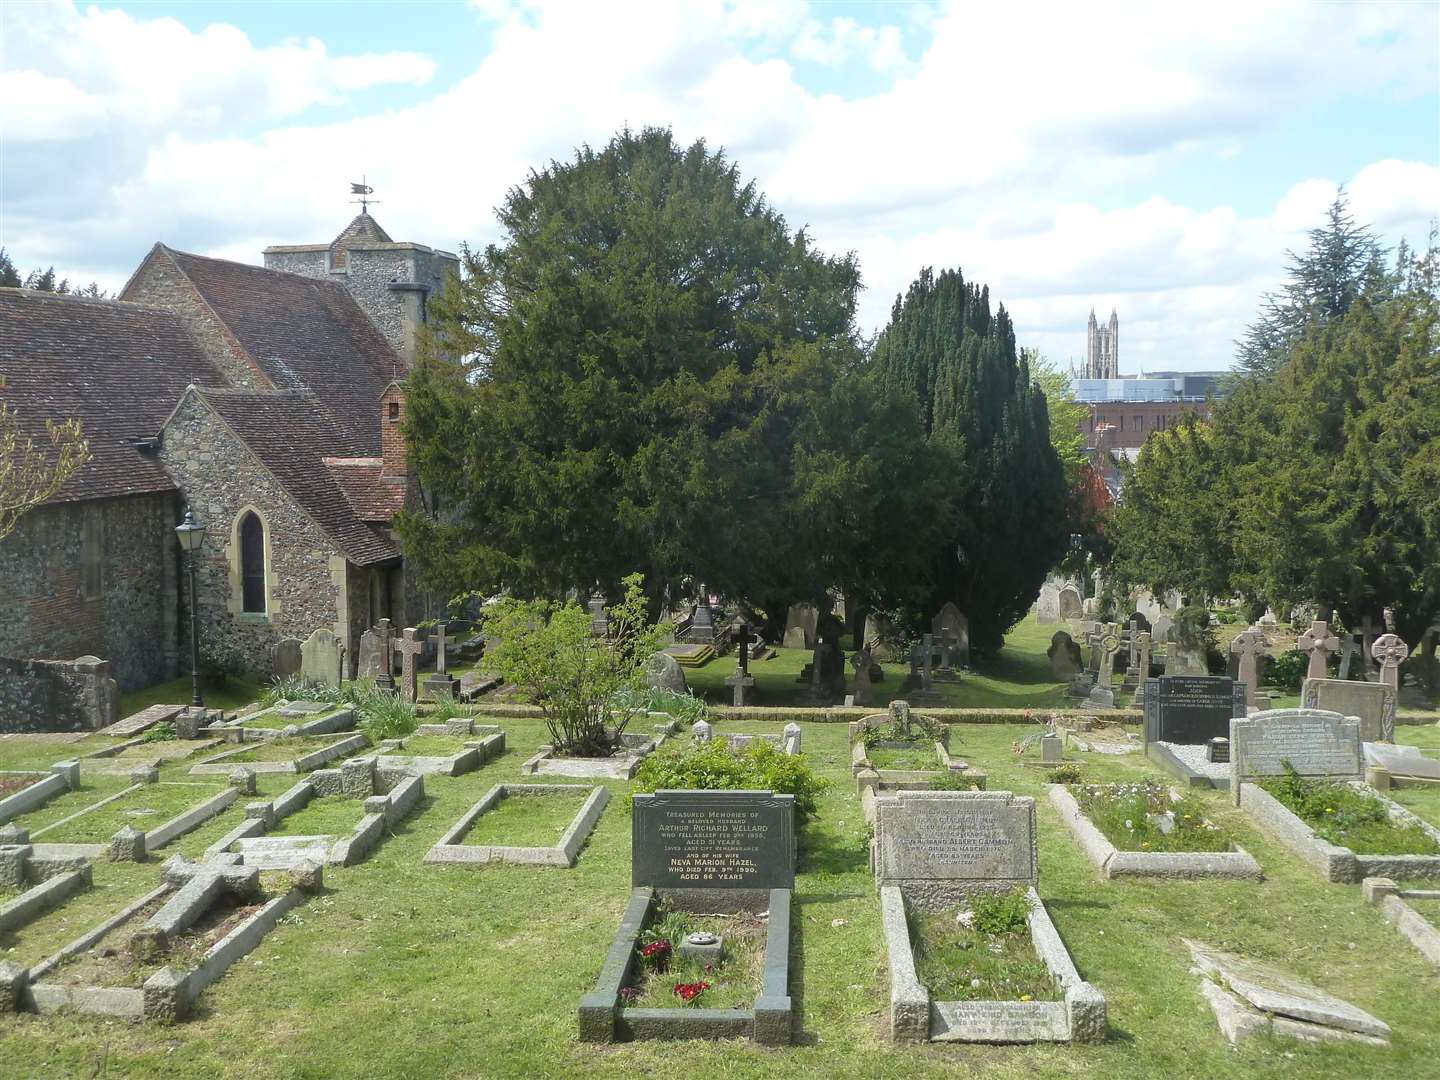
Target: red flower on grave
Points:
(657, 954)
(688, 992)
(629, 993)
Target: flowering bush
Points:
(688, 992)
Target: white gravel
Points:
(1194, 757)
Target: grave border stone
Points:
(451, 850)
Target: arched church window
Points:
(252, 563)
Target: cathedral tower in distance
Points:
(1102, 353)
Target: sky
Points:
(1159, 159)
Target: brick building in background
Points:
(267, 401)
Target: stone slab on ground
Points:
(1402, 760)
(1274, 991)
(283, 852)
(143, 720)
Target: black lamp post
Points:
(191, 535)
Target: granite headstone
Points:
(713, 840)
(1191, 709)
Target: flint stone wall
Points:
(57, 695)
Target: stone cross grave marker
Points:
(713, 840)
(599, 617)
(1132, 647)
(1248, 647)
(1191, 709)
(1109, 642)
(320, 658)
(1318, 643)
(1373, 703)
(942, 847)
(410, 647)
(1313, 742)
(1389, 652)
(438, 640)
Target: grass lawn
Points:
(1019, 678)
(148, 808)
(959, 964)
(434, 745)
(236, 693)
(432, 971)
(284, 749)
(329, 815)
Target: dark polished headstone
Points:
(713, 840)
(1191, 709)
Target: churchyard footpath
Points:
(187, 920)
(722, 852)
(451, 849)
(1391, 899)
(937, 851)
(1316, 745)
(1236, 864)
(295, 757)
(396, 953)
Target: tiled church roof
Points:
(304, 334)
(292, 434)
(118, 368)
(373, 495)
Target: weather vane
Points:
(364, 190)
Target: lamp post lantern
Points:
(191, 535)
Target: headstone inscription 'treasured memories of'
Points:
(1191, 709)
(713, 840)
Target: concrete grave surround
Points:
(451, 849)
(1164, 865)
(1414, 927)
(1373, 703)
(222, 764)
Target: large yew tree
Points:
(658, 375)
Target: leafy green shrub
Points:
(713, 766)
(951, 781)
(1003, 914)
(1287, 670)
(922, 729)
(161, 732)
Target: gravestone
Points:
(1052, 749)
(1373, 703)
(1191, 709)
(942, 847)
(369, 663)
(1070, 604)
(795, 638)
(1160, 629)
(663, 672)
(702, 623)
(1186, 654)
(385, 630)
(320, 658)
(285, 658)
(1248, 646)
(951, 629)
(1064, 654)
(1318, 643)
(864, 692)
(1314, 742)
(1142, 674)
(801, 617)
(1403, 761)
(713, 840)
(1102, 695)
(409, 646)
(1047, 605)
(1138, 616)
(1389, 652)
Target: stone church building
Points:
(268, 401)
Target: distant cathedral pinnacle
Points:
(1102, 348)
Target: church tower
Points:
(1102, 348)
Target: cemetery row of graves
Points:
(1220, 887)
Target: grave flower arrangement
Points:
(657, 954)
(688, 992)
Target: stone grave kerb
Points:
(1317, 643)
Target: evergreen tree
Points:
(657, 375)
(985, 412)
(1323, 282)
(9, 276)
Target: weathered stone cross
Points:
(438, 639)
(386, 679)
(1318, 642)
(1390, 651)
(410, 647)
(1109, 644)
(1249, 646)
(1143, 663)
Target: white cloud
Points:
(971, 154)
